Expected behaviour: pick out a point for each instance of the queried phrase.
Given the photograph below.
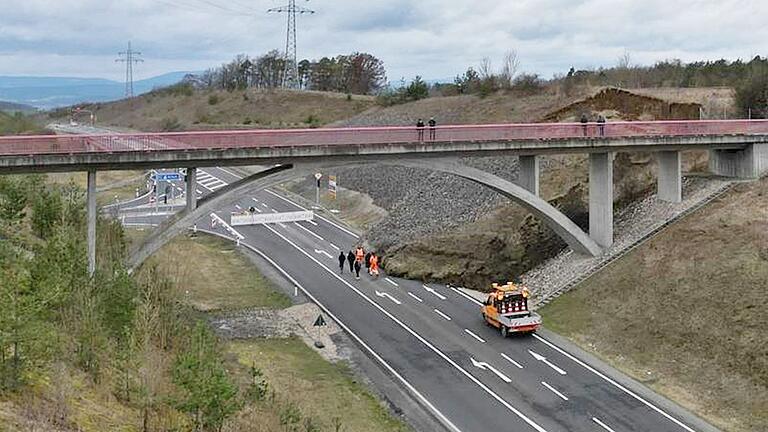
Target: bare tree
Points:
(509, 69)
(486, 70)
(625, 61)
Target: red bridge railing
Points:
(141, 142)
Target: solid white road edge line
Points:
(391, 281)
(507, 358)
(437, 311)
(469, 332)
(467, 296)
(316, 215)
(615, 384)
(416, 297)
(604, 377)
(560, 395)
(421, 339)
(602, 425)
(442, 418)
(307, 230)
(239, 177)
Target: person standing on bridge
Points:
(432, 132)
(584, 121)
(368, 261)
(601, 125)
(374, 270)
(420, 128)
(342, 260)
(351, 260)
(358, 266)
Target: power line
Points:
(291, 76)
(129, 57)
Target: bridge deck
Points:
(206, 140)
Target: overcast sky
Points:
(433, 38)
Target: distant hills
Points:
(11, 107)
(53, 92)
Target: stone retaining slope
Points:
(633, 226)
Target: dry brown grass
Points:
(213, 275)
(238, 109)
(320, 391)
(501, 107)
(687, 313)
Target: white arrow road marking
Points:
(386, 295)
(318, 251)
(544, 360)
(391, 281)
(507, 358)
(603, 425)
(469, 332)
(560, 395)
(432, 290)
(416, 297)
(442, 315)
(305, 229)
(486, 366)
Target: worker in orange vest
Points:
(359, 254)
(374, 269)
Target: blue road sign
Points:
(167, 177)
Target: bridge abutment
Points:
(601, 198)
(670, 176)
(528, 174)
(191, 189)
(91, 214)
(748, 163)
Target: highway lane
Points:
(513, 385)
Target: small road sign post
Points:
(318, 176)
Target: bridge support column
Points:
(528, 176)
(601, 198)
(750, 162)
(91, 231)
(191, 189)
(670, 176)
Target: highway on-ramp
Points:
(431, 339)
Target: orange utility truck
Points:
(506, 308)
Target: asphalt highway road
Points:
(431, 338)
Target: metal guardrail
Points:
(173, 141)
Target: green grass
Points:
(320, 389)
(216, 275)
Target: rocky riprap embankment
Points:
(632, 224)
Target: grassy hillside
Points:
(17, 124)
(687, 312)
(179, 108)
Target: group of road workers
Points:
(357, 259)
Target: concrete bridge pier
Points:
(528, 174)
(748, 163)
(670, 176)
(91, 231)
(191, 189)
(601, 198)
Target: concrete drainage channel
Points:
(550, 296)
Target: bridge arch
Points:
(566, 229)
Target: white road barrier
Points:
(239, 219)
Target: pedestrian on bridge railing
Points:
(601, 125)
(420, 128)
(432, 124)
(584, 121)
